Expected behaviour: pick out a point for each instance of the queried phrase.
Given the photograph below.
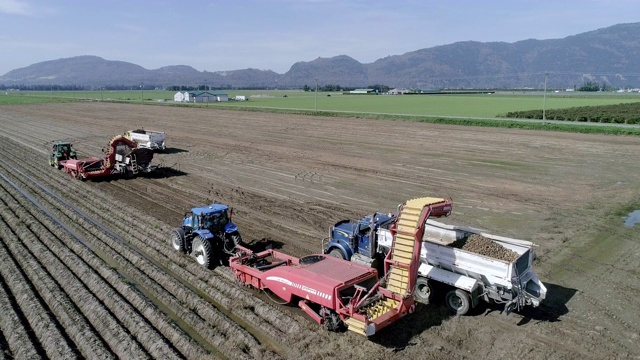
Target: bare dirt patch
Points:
(289, 178)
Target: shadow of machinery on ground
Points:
(162, 172)
(172, 151)
(434, 314)
(551, 308)
(258, 245)
(398, 335)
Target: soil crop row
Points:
(204, 318)
(40, 318)
(148, 235)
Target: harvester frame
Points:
(333, 291)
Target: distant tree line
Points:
(377, 88)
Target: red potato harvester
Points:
(337, 293)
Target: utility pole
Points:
(142, 93)
(544, 98)
(316, 102)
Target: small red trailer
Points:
(335, 292)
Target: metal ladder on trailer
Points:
(134, 165)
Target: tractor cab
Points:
(214, 218)
(207, 231)
(61, 150)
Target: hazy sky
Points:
(220, 35)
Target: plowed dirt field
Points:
(87, 270)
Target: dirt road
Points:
(113, 278)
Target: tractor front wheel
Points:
(177, 239)
(202, 251)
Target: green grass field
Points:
(426, 108)
(483, 105)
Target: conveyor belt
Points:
(404, 243)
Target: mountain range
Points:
(609, 56)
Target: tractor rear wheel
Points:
(202, 251)
(177, 239)
(337, 253)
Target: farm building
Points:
(208, 96)
(362, 91)
(398, 91)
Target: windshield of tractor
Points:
(215, 222)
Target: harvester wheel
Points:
(332, 321)
(458, 301)
(337, 253)
(423, 291)
(177, 239)
(202, 251)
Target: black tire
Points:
(177, 239)
(236, 239)
(458, 301)
(202, 251)
(336, 253)
(423, 291)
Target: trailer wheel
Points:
(202, 251)
(458, 301)
(423, 291)
(337, 253)
(177, 239)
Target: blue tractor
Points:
(359, 241)
(207, 233)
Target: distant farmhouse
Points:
(398, 91)
(201, 96)
(362, 91)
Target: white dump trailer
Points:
(147, 138)
(498, 269)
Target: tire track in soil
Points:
(237, 320)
